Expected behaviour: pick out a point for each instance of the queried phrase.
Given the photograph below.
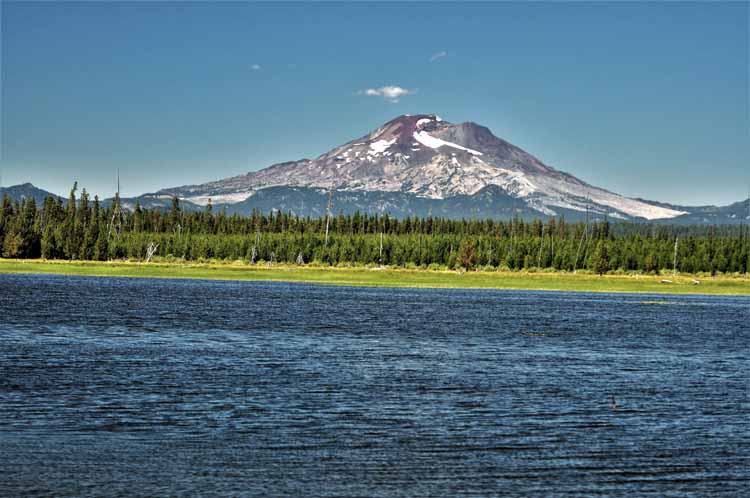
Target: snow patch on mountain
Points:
(203, 200)
(381, 145)
(435, 143)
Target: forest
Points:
(84, 229)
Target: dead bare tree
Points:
(380, 256)
(541, 245)
(552, 248)
(115, 223)
(328, 213)
(150, 251)
(583, 237)
(254, 253)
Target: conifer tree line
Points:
(83, 229)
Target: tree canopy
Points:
(82, 229)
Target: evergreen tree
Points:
(467, 254)
(601, 258)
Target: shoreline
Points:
(390, 277)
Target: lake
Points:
(137, 387)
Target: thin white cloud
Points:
(438, 55)
(255, 67)
(389, 93)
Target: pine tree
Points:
(601, 258)
(6, 212)
(467, 254)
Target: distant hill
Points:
(150, 201)
(153, 201)
(26, 191)
(716, 215)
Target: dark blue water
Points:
(161, 387)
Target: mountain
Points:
(26, 191)
(153, 201)
(732, 214)
(420, 164)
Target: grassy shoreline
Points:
(389, 277)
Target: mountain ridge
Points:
(313, 203)
(27, 190)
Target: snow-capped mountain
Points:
(418, 166)
(429, 161)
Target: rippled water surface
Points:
(162, 387)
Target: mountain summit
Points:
(425, 160)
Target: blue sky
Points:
(645, 99)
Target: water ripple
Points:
(128, 387)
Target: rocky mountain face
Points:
(424, 160)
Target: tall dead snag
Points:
(115, 223)
(328, 213)
(150, 251)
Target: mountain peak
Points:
(424, 156)
(402, 128)
(408, 117)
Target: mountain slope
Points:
(26, 191)
(735, 213)
(429, 158)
